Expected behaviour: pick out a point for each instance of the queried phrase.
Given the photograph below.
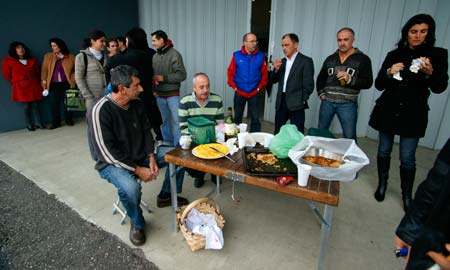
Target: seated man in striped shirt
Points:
(200, 103)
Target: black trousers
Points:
(154, 115)
(31, 111)
(57, 93)
(283, 114)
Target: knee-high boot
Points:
(407, 183)
(383, 165)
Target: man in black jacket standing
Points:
(343, 75)
(295, 77)
(426, 225)
(139, 55)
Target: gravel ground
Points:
(39, 232)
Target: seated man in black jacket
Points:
(120, 132)
(426, 225)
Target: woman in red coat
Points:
(22, 71)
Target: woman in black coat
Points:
(402, 108)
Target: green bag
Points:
(321, 133)
(202, 130)
(74, 101)
(288, 137)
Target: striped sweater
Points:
(190, 107)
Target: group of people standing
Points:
(119, 126)
(31, 83)
(402, 108)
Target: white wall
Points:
(377, 25)
(206, 32)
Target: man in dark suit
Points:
(295, 74)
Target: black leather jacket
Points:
(426, 225)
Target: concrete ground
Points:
(264, 230)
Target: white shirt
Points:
(289, 62)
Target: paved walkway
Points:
(39, 232)
(265, 230)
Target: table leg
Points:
(216, 188)
(173, 194)
(325, 235)
(217, 184)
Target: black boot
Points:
(407, 183)
(29, 116)
(383, 165)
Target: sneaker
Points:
(160, 203)
(199, 182)
(31, 128)
(137, 236)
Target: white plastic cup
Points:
(242, 139)
(242, 127)
(45, 93)
(185, 142)
(303, 174)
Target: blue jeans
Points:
(408, 146)
(170, 122)
(162, 150)
(129, 187)
(129, 190)
(347, 114)
(253, 108)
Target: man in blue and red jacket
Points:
(247, 75)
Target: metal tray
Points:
(283, 166)
(314, 151)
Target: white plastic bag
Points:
(353, 157)
(206, 225)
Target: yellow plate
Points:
(204, 151)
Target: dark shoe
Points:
(160, 203)
(37, 126)
(52, 126)
(31, 128)
(407, 184)
(137, 236)
(383, 165)
(199, 182)
(69, 122)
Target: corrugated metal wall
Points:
(377, 24)
(206, 32)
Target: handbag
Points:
(74, 101)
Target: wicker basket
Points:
(197, 241)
